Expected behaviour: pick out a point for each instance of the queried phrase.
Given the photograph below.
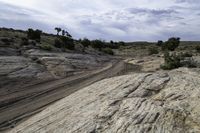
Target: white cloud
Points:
(107, 19)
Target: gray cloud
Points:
(130, 20)
(151, 11)
(188, 1)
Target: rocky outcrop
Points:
(17, 72)
(64, 64)
(29, 67)
(147, 63)
(61, 63)
(143, 102)
(37, 77)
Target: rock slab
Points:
(139, 103)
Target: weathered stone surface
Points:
(63, 64)
(18, 72)
(148, 63)
(8, 52)
(36, 66)
(18, 66)
(144, 102)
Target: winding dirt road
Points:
(18, 106)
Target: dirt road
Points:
(18, 106)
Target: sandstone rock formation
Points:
(161, 102)
(147, 63)
(35, 66)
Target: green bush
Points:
(64, 42)
(171, 44)
(112, 45)
(175, 61)
(68, 42)
(97, 44)
(108, 51)
(189, 62)
(121, 43)
(7, 41)
(143, 47)
(197, 49)
(85, 42)
(159, 43)
(34, 34)
(46, 47)
(153, 51)
(171, 61)
(111, 42)
(58, 43)
(24, 41)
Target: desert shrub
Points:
(111, 42)
(112, 45)
(7, 41)
(186, 54)
(85, 42)
(64, 42)
(58, 43)
(171, 44)
(97, 44)
(178, 60)
(121, 43)
(24, 41)
(16, 36)
(45, 46)
(108, 51)
(153, 50)
(184, 47)
(188, 62)
(174, 60)
(34, 34)
(197, 48)
(32, 42)
(143, 47)
(171, 61)
(159, 43)
(68, 42)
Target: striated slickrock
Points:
(161, 102)
(35, 66)
(147, 63)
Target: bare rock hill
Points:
(143, 102)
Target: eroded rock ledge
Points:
(143, 102)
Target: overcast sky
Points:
(127, 20)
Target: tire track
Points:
(36, 98)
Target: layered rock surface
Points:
(35, 66)
(143, 102)
(147, 63)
